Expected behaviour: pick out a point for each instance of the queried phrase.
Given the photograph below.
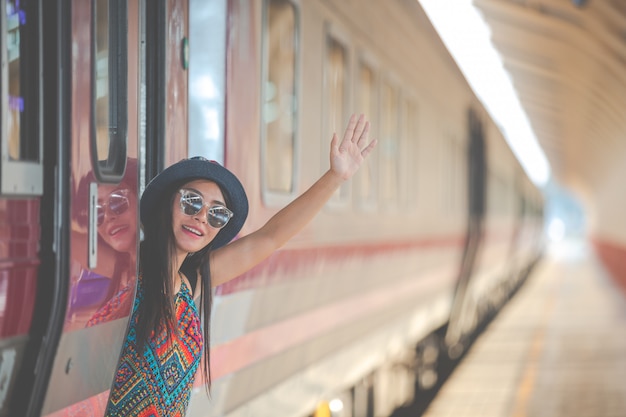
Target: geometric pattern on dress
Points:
(158, 383)
(116, 308)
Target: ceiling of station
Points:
(567, 60)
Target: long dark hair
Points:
(155, 255)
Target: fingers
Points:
(361, 125)
(356, 133)
(357, 127)
(364, 136)
(349, 133)
(369, 148)
(334, 146)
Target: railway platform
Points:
(557, 349)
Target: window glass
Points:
(364, 180)
(279, 110)
(454, 168)
(444, 146)
(461, 170)
(409, 153)
(335, 92)
(21, 169)
(23, 141)
(336, 83)
(388, 150)
(109, 89)
(455, 165)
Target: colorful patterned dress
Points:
(159, 382)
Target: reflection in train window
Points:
(388, 147)
(109, 89)
(365, 178)
(279, 95)
(21, 98)
(336, 83)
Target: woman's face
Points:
(117, 217)
(193, 232)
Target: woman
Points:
(117, 223)
(189, 213)
(112, 280)
(117, 226)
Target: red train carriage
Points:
(21, 178)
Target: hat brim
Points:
(193, 169)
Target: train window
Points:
(367, 103)
(457, 168)
(109, 89)
(408, 152)
(446, 178)
(336, 94)
(207, 78)
(22, 144)
(279, 96)
(495, 195)
(453, 172)
(388, 145)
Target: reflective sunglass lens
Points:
(191, 203)
(218, 217)
(117, 205)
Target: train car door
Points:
(462, 316)
(103, 224)
(85, 221)
(25, 243)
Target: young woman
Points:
(189, 214)
(117, 240)
(117, 224)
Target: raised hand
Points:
(346, 157)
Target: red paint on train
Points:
(613, 256)
(19, 247)
(289, 261)
(261, 344)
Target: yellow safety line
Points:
(527, 383)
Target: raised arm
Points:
(345, 159)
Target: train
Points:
(435, 232)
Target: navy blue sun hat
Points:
(193, 169)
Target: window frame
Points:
(392, 203)
(342, 199)
(273, 197)
(409, 140)
(22, 177)
(366, 60)
(112, 169)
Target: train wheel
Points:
(428, 354)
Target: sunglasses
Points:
(191, 203)
(117, 203)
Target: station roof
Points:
(567, 61)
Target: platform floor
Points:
(558, 349)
